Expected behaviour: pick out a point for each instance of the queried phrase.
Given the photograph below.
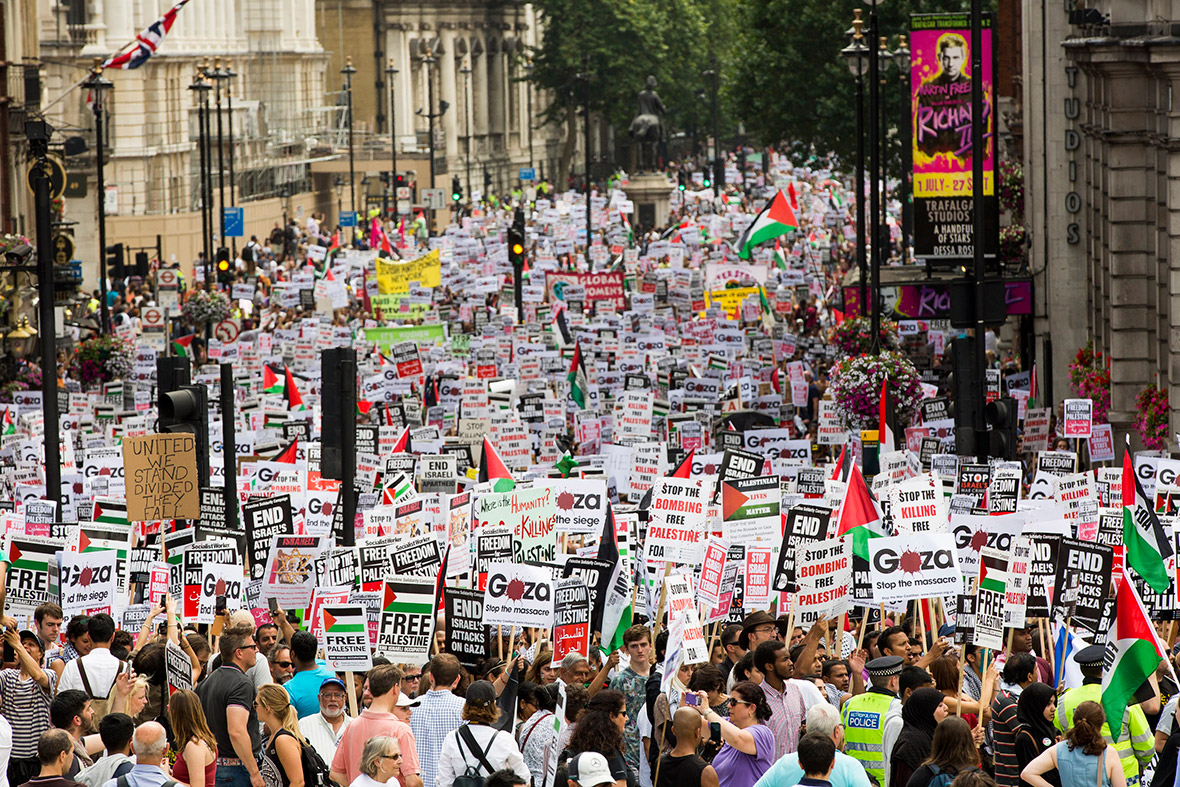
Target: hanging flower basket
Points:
(855, 336)
(205, 307)
(27, 378)
(1151, 417)
(101, 360)
(856, 388)
(1089, 373)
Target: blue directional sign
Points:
(528, 173)
(348, 218)
(235, 222)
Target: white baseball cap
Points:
(590, 769)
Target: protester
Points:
(1036, 732)
(304, 685)
(196, 748)
(599, 729)
(817, 755)
(150, 744)
(1083, 758)
(682, 765)
(384, 682)
(115, 730)
(77, 644)
(632, 684)
(920, 715)
(282, 760)
(750, 746)
(55, 753)
(536, 732)
(952, 751)
(380, 762)
(281, 665)
(783, 697)
(846, 771)
(25, 696)
(478, 741)
(227, 696)
(324, 730)
(1019, 673)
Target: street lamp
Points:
(857, 55)
(229, 75)
(218, 76)
(428, 61)
(201, 89)
(901, 56)
(874, 183)
(348, 70)
(885, 61)
(718, 166)
(466, 72)
(20, 339)
(98, 85)
(391, 74)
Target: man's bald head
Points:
(686, 725)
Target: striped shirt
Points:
(26, 706)
(1004, 728)
(786, 717)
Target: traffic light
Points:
(456, 189)
(141, 263)
(115, 269)
(400, 180)
(186, 409)
(224, 273)
(683, 181)
(1001, 416)
(708, 180)
(516, 247)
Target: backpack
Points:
(944, 779)
(471, 775)
(315, 770)
(100, 705)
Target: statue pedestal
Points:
(651, 192)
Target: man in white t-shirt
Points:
(99, 666)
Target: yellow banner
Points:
(394, 277)
(730, 299)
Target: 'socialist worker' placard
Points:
(161, 472)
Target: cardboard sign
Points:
(1101, 443)
(1078, 418)
(518, 595)
(571, 618)
(161, 477)
(914, 566)
(346, 638)
(29, 581)
(219, 580)
(406, 628)
(416, 557)
(750, 510)
(581, 505)
(290, 570)
(1092, 565)
(532, 516)
(712, 570)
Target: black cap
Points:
(481, 694)
(1090, 656)
(885, 666)
(753, 621)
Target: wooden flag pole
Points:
(962, 667)
(922, 624)
(350, 681)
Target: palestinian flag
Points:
(566, 464)
(1133, 651)
(294, 400)
(859, 516)
(492, 468)
(335, 242)
(616, 611)
(776, 219)
(579, 387)
(9, 422)
(344, 619)
(30, 554)
(627, 227)
(363, 407)
(289, 454)
(1147, 544)
(561, 332)
(793, 196)
(402, 446)
(398, 487)
(271, 383)
(780, 256)
(110, 511)
(181, 346)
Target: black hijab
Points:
(1030, 713)
(917, 731)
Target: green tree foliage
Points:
(790, 84)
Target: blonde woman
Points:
(196, 757)
(380, 762)
(282, 760)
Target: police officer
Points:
(1136, 744)
(864, 717)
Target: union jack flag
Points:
(145, 43)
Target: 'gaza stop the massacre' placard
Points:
(161, 473)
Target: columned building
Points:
(476, 58)
(281, 119)
(1102, 147)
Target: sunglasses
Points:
(284, 664)
(413, 677)
(391, 756)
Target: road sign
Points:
(63, 249)
(433, 198)
(403, 192)
(57, 176)
(348, 218)
(152, 318)
(167, 279)
(227, 331)
(235, 222)
(528, 173)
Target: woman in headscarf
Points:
(919, 716)
(1034, 714)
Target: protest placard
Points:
(346, 641)
(518, 595)
(161, 477)
(915, 566)
(406, 627)
(571, 618)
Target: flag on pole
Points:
(335, 242)
(180, 347)
(402, 445)
(492, 468)
(289, 454)
(294, 399)
(776, 219)
(9, 423)
(1133, 651)
(146, 43)
(627, 227)
(859, 516)
(793, 196)
(780, 257)
(617, 611)
(1148, 545)
(271, 383)
(579, 387)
